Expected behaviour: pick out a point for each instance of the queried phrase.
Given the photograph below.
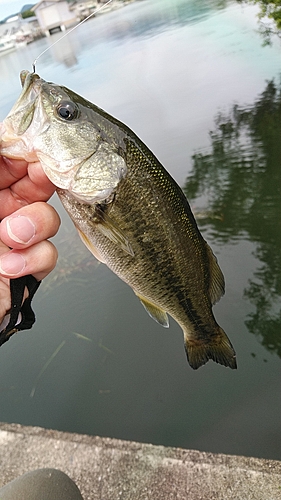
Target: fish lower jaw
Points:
(16, 147)
(18, 151)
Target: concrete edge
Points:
(106, 468)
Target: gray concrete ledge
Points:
(111, 469)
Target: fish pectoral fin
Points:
(154, 311)
(90, 246)
(111, 231)
(216, 286)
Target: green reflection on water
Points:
(241, 179)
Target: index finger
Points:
(33, 186)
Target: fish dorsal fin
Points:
(90, 246)
(154, 311)
(111, 231)
(216, 286)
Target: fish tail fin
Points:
(218, 348)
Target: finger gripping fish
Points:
(128, 210)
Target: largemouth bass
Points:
(128, 210)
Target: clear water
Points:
(193, 80)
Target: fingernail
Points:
(20, 229)
(12, 264)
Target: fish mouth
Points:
(26, 120)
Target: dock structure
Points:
(112, 469)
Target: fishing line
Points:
(68, 33)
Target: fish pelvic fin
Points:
(154, 311)
(218, 348)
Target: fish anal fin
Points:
(90, 246)
(154, 311)
(216, 286)
(219, 349)
(110, 230)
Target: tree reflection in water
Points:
(241, 177)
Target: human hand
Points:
(26, 224)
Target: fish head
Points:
(68, 135)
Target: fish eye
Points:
(67, 110)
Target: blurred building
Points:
(54, 15)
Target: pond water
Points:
(193, 80)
